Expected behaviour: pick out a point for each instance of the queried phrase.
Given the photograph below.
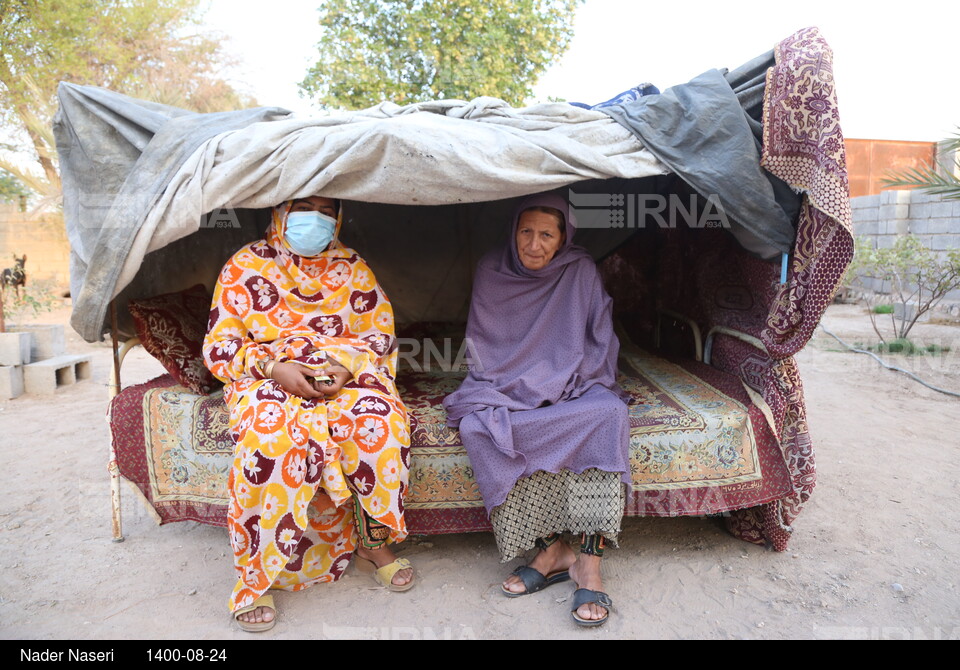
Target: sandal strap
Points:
(533, 580)
(263, 601)
(386, 573)
(586, 596)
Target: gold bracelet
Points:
(268, 368)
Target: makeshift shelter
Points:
(719, 206)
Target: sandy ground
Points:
(874, 555)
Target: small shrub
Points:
(35, 298)
(917, 275)
(901, 345)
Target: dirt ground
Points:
(874, 555)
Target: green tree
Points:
(11, 190)
(408, 51)
(944, 181)
(917, 277)
(149, 49)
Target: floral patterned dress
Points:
(300, 464)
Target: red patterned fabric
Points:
(698, 501)
(175, 447)
(171, 328)
(803, 145)
(134, 455)
(444, 521)
(704, 275)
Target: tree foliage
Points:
(408, 51)
(918, 278)
(944, 181)
(148, 49)
(11, 190)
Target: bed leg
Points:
(115, 498)
(113, 467)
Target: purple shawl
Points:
(538, 341)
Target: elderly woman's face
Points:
(539, 236)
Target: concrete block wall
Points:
(933, 219)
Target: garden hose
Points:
(888, 366)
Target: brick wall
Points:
(934, 220)
(869, 161)
(42, 238)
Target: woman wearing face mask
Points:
(303, 338)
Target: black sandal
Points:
(586, 597)
(533, 580)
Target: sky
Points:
(892, 60)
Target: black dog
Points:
(15, 276)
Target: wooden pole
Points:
(113, 467)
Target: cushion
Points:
(171, 327)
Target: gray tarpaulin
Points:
(157, 198)
(701, 131)
(138, 176)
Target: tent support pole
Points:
(113, 467)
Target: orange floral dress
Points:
(300, 463)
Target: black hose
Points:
(887, 365)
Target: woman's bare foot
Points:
(555, 558)
(586, 573)
(385, 556)
(259, 615)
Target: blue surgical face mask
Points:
(309, 233)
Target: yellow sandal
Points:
(384, 576)
(251, 626)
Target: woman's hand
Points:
(339, 376)
(302, 381)
(296, 379)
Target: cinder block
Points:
(48, 341)
(11, 381)
(945, 242)
(14, 348)
(865, 202)
(890, 212)
(898, 226)
(906, 312)
(920, 210)
(885, 241)
(941, 209)
(920, 196)
(43, 377)
(895, 197)
(943, 226)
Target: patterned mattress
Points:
(698, 445)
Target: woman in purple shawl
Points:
(540, 412)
